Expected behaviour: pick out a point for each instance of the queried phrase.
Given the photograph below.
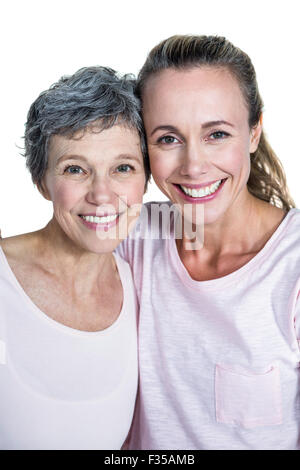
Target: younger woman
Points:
(219, 324)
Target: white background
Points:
(42, 40)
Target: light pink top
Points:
(219, 359)
(62, 388)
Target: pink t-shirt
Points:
(62, 388)
(219, 359)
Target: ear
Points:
(43, 189)
(255, 135)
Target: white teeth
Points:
(99, 220)
(206, 191)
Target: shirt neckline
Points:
(64, 328)
(215, 284)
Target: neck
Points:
(239, 224)
(71, 262)
(245, 227)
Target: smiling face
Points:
(96, 183)
(199, 139)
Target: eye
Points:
(167, 139)
(218, 135)
(125, 168)
(73, 170)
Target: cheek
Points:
(236, 160)
(65, 196)
(162, 166)
(133, 191)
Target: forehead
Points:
(95, 143)
(198, 93)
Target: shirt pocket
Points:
(248, 399)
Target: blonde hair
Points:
(267, 179)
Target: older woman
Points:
(219, 319)
(68, 352)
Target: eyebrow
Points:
(122, 156)
(206, 125)
(216, 123)
(69, 157)
(126, 156)
(164, 127)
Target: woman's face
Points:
(199, 139)
(96, 183)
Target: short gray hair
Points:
(74, 103)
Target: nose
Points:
(100, 191)
(194, 161)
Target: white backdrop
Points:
(42, 40)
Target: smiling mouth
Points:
(99, 220)
(204, 191)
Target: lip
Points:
(199, 185)
(199, 200)
(99, 214)
(105, 226)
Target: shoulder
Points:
(294, 214)
(284, 234)
(19, 247)
(11, 245)
(280, 228)
(292, 224)
(284, 248)
(290, 235)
